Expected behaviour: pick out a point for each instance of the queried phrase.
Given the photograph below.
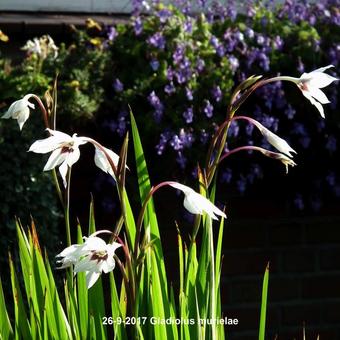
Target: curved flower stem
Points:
(99, 146)
(142, 213)
(43, 110)
(222, 131)
(67, 208)
(246, 148)
(122, 269)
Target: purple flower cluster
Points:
(193, 64)
(156, 103)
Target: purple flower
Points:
(170, 88)
(164, 138)
(217, 93)
(241, 184)
(208, 109)
(278, 43)
(214, 42)
(188, 25)
(176, 143)
(154, 63)
(290, 112)
(112, 33)
(118, 85)
(204, 136)
(138, 26)
(188, 93)
(163, 15)
(186, 138)
(170, 74)
(200, 64)
(158, 114)
(178, 54)
(157, 105)
(234, 63)
(233, 129)
(157, 40)
(154, 100)
(188, 115)
(227, 176)
(249, 33)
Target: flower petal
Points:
(63, 172)
(45, 145)
(91, 279)
(94, 243)
(72, 156)
(315, 103)
(54, 160)
(318, 95)
(108, 265)
(23, 116)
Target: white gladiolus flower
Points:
(20, 110)
(102, 162)
(93, 257)
(277, 142)
(310, 85)
(64, 148)
(196, 203)
(286, 161)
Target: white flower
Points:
(70, 255)
(277, 142)
(279, 156)
(102, 162)
(64, 148)
(310, 85)
(19, 110)
(196, 203)
(42, 47)
(93, 257)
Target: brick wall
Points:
(304, 283)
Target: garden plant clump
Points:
(189, 80)
(144, 294)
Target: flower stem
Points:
(67, 208)
(142, 213)
(43, 110)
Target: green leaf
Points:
(22, 326)
(5, 325)
(262, 328)
(119, 330)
